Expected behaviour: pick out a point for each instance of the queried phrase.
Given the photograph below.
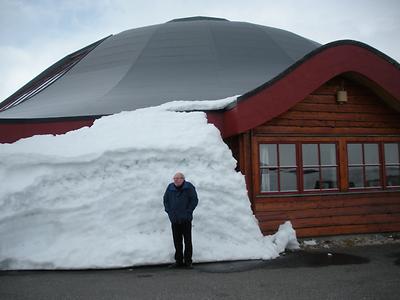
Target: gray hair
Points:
(179, 174)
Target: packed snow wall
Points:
(92, 198)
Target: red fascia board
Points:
(13, 130)
(216, 118)
(273, 99)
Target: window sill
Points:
(329, 193)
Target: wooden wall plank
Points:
(328, 130)
(346, 229)
(344, 108)
(336, 220)
(325, 201)
(327, 212)
(339, 116)
(330, 211)
(319, 113)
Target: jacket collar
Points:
(173, 187)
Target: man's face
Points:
(178, 179)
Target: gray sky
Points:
(37, 33)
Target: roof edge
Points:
(296, 82)
(66, 62)
(312, 54)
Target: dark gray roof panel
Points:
(193, 59)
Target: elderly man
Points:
(180, 200)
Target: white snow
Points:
(183, 105)
(92, 198)
(310, 243)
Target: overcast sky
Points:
(37, 33)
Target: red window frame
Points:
(299, 167)
(279, 167)
(319, 166)
(365, 165)
(386, 165)
(341, 162)
(381, 164)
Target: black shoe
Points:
(176, 266)
(188, 265)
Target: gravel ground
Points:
(349, 241)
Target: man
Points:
(180, 200)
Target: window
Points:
(313, 165)
(280, 171)
(364, 166)
(319, 166)
(278, 168)
(392, 164)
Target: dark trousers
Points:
(182, 231)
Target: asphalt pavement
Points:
(367, 272)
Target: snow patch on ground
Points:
(92, 198)
(310, 243)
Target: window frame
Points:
(341, 162)
(299, 166)
(279, 168)
(385, 165)
(364, 165)
(320, 166)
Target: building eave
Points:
(294, 84)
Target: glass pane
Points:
(356, 177)
(329, 178)
(310, 178)
(310, 154)
(268, 155)
(354, 153)
(287, 155)
(393, 176)
(288, 179)
(269, 180)
(371, 153)
(392, 153)
(328, 154)
(372, 176)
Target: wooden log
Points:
(328, 123)
(328, 212)
(340, 116)
(335, 221)
(325, 201)
(326, 130)
(340, 230)
(338, 108)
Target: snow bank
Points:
(92, 198)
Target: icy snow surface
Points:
(198, 105)
(92, 198)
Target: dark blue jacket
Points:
(180, 203)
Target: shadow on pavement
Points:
(298, 259)
(397, 257)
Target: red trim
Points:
(216, 118)
(13, 131)
(274, 99)
(268, 101)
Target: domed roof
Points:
(195, 58)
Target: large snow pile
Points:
(92, 198)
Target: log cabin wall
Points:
(364, 120)
(319, 113)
